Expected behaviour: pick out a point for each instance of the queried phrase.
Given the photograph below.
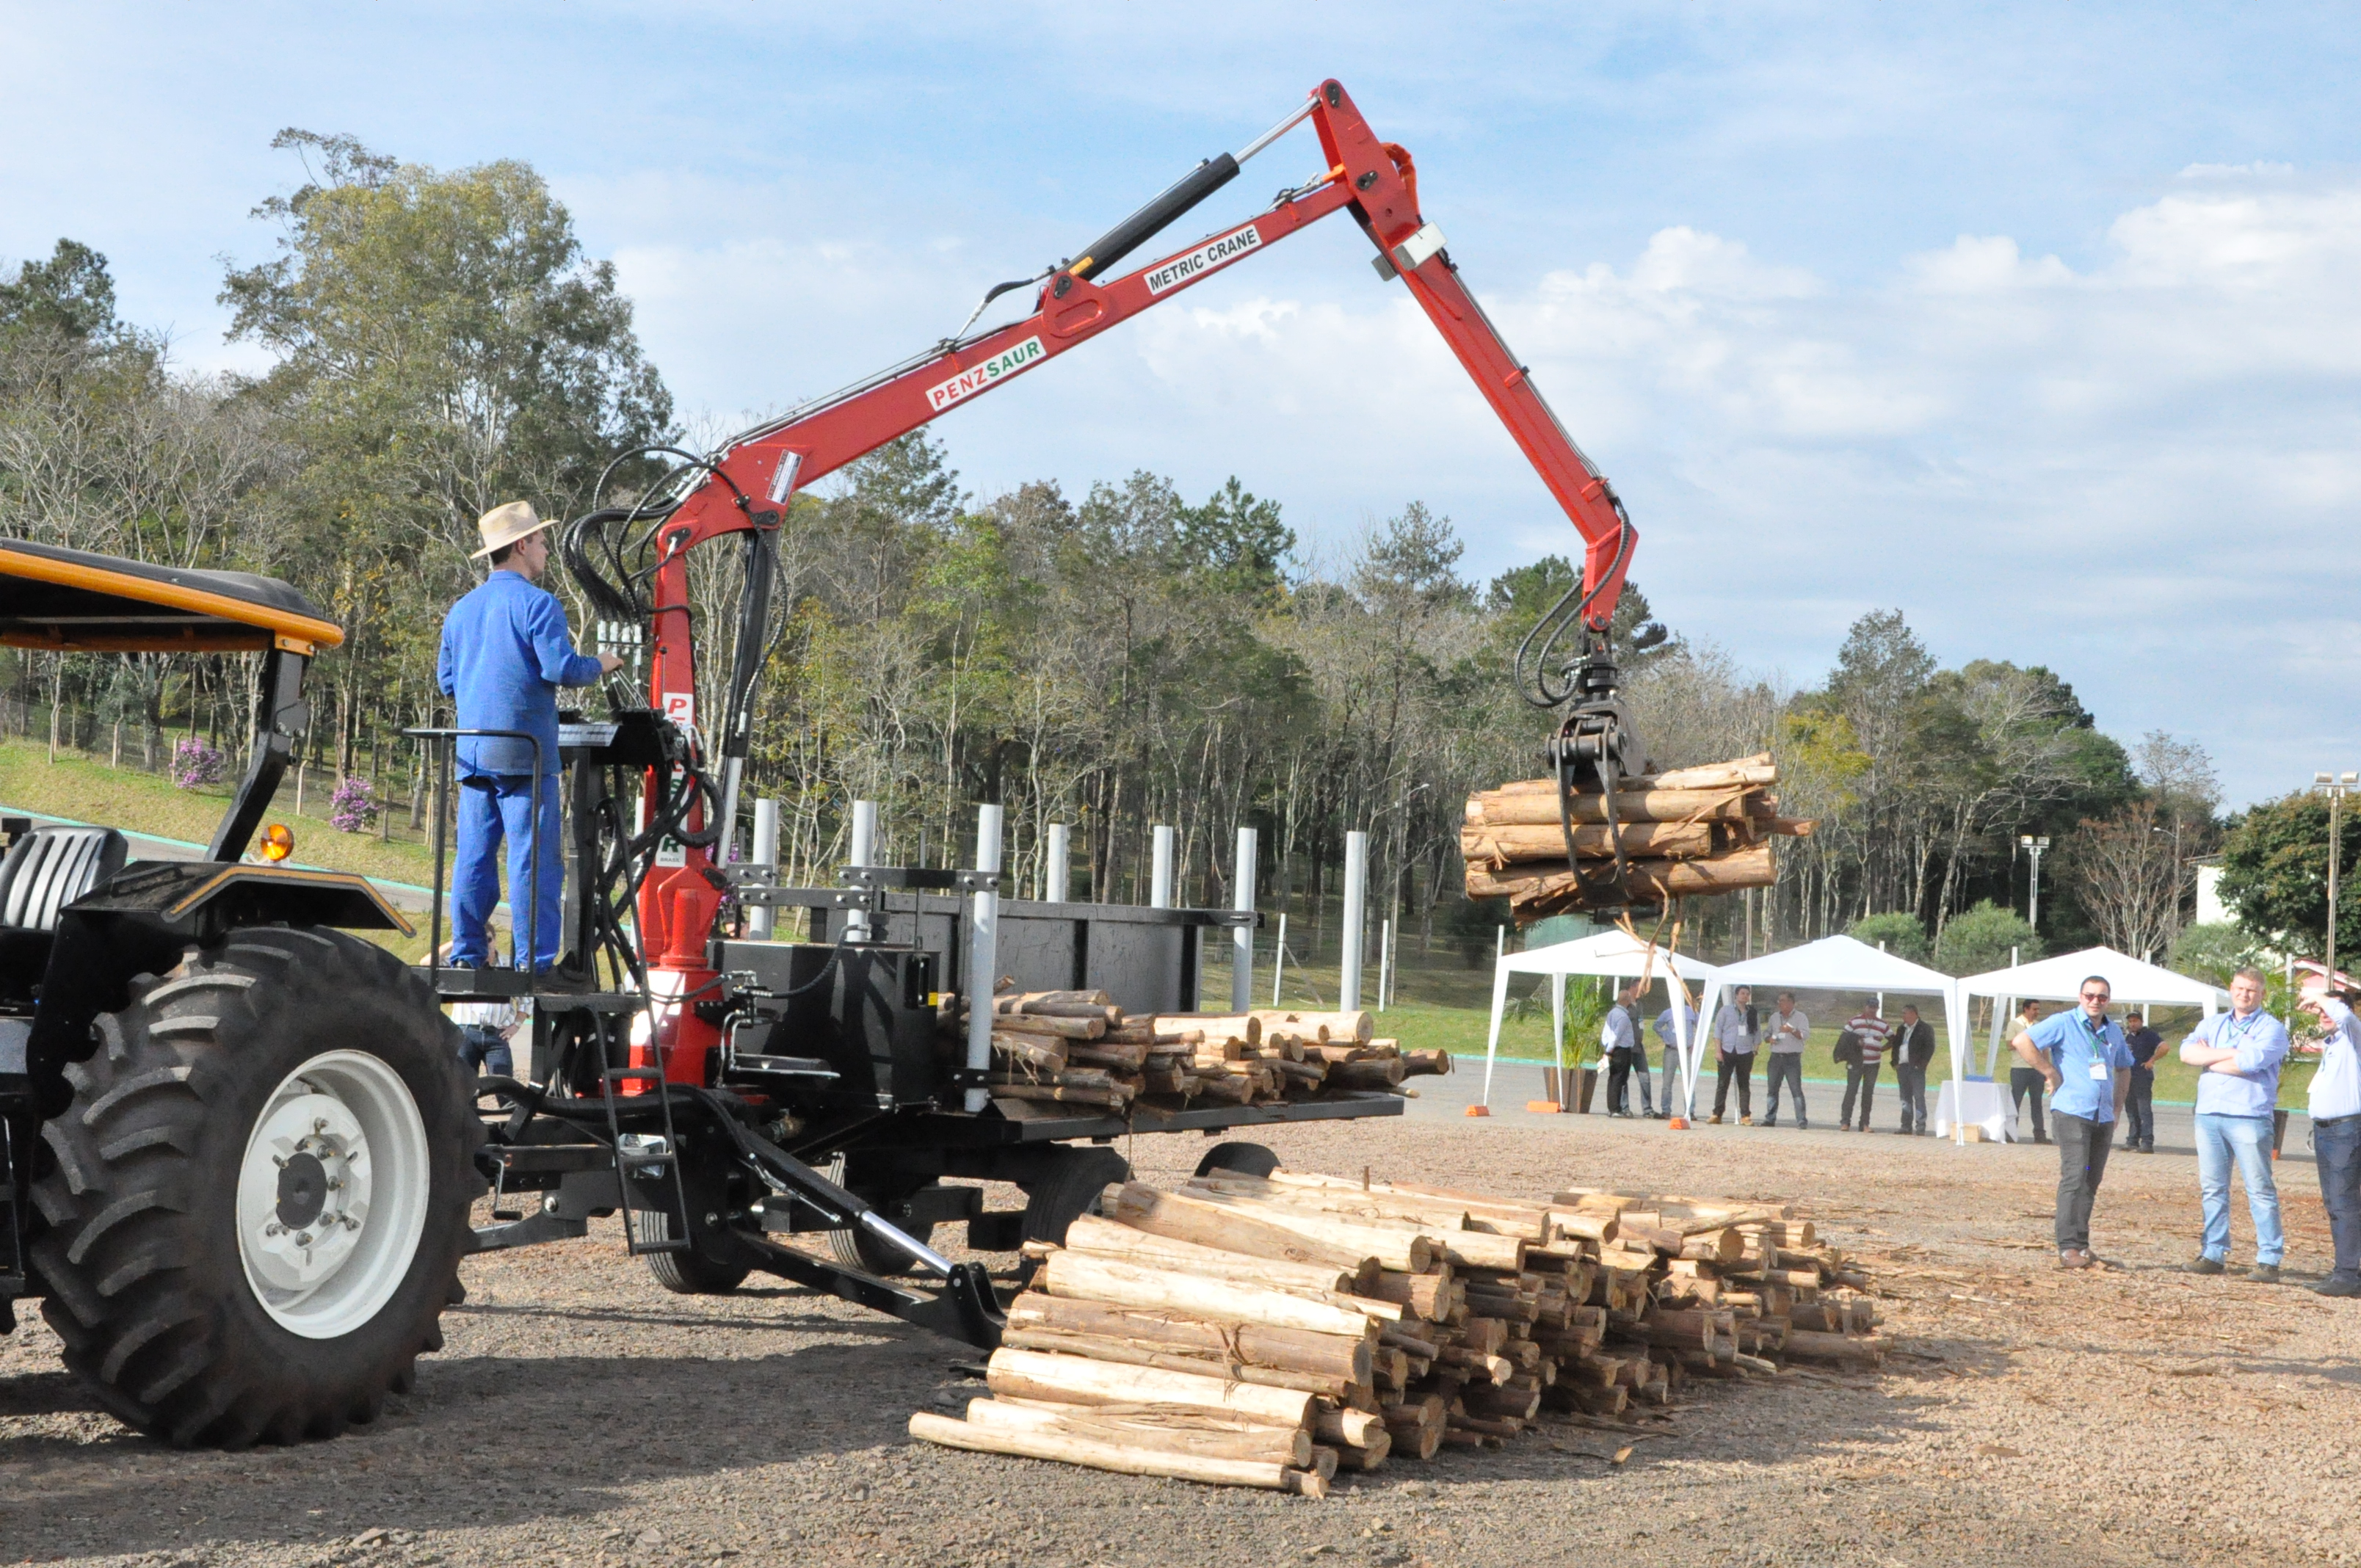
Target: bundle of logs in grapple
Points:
(1267, 1332)
(1690, 833)
(1076, 1047)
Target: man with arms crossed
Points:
(1790, 1031)
(2239, 1053)
(1619, 1036)
(2080, 1055)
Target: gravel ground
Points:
(581, 1415)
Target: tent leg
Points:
(1492, 1041)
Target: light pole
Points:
(2336, 787)
(2034, 844)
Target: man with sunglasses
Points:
(2238, 1054)
(2081, 1056)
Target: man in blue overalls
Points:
(505, 650)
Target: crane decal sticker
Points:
(1204, 259)
(977, 377)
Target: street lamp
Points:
(2034, 844)
(2336, 787)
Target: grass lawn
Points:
(88, 791)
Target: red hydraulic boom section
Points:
(753, 481)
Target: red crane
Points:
(746, 489)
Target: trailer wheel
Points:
(696, 1272)
(1238, 1159)
(261, 1190)
(1068, 1189)
(859, 1249)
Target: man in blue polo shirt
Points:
(505, 650)
(2239, 1053)
(2080, 1054)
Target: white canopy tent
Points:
(1608, 953)
(2133, 982)
(1840, 963)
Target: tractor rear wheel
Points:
(259, 1195)
(856, 1248)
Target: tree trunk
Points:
(1121, 1458)
(1071, 1379)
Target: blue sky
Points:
(2036, 321)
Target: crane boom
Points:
(746, 488)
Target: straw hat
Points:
(504, 525)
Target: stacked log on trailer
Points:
(1689, 833)
(1077, 1048)
(1269, 1332)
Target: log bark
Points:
(1425, 1064)
(1537, 883)
(1124, 1458)
(1246, 1026)
(1208, 1224)
(1201, 1433)
(1815, 1346)
(1071, 1379)
(1121, 1055)
(1392, 1244)
(1089, 1028)
(1538, 809)
(1137, 1352)
(1091, 1233)
(1358, 1025)
(1090, 1277)
(1111, 1099)
(1641, 840)
(1347, 1357)
(1019, 1053)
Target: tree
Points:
(2129, 878)
(444, 345)
(1985, 938)
(1899, 934)
(71, 296)
(2213, 951)
(2274, 873)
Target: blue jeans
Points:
(2336, 1146)
(484, 1054)
(2247, 1140)
(1785, 1066)
(493, 807)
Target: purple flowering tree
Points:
(355, 806)
(196, 763)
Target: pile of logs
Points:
(1689, 833)
(1268, 1332)
(1077, 1048)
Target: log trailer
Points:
(247, 1147)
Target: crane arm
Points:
(746, 488)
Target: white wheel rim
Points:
(332, 1194)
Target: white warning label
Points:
(1212, 254)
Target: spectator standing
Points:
(1784, 1059)
(1619, 1036)
(1737, 1030)
(2139, 1105)
(1869, 1029)
(1674, 1086)
(2025, 1080)
(2082, 1059)
(1914, 1048)
(2336, 1135)
(487, 1030)
(2240, 1052)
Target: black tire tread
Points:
(145, 1288)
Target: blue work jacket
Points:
(505, 650)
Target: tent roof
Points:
(2060, 980)
(1609, 953)
(1836, 963)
